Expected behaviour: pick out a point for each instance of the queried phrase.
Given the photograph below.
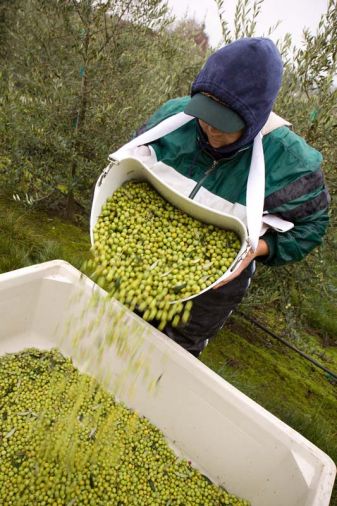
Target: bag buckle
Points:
(242, 256)
(106, 170)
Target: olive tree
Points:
(74, 68)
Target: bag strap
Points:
(163, 128)
(274, 121)
(256, 177)
(255, 192)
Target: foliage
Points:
(82, 76)
(191, 30)
(244, 23)
(8, 12)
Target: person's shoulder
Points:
(284, 142)
(177, 104)
(169, 108)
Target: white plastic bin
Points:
(225, 434)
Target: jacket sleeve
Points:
(300, 196)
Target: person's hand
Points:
(261, 250)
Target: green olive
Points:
(151, 253)
(66, 441)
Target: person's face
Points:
(218, 139)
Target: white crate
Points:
(225, 434)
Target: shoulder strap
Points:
(255, 192)
(274, 121)
(163, 128)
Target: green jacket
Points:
(294, 186)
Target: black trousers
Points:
(209, 313)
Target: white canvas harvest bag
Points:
(137, 161)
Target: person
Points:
(231, 102)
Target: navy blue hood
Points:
(246, 75)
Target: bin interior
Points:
(229, 437)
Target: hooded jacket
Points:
(246, 75)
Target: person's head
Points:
(233, 94)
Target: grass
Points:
(28, 237)
(322, 317)
(281, 381)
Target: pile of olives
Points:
(150, 255)
(64, 441)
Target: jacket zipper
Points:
(215, 163)
(202, 180)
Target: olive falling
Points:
(150, 255)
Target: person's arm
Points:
(276, 248)
(294, 245)
(300, 196)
